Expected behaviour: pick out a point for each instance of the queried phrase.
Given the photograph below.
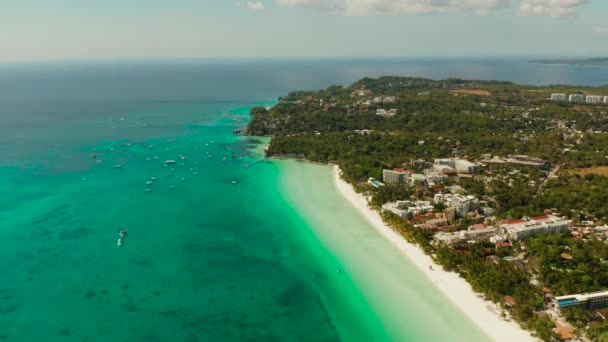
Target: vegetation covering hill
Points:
(355, 128)
(574, 61)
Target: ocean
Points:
(215, 249)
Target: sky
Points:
(83, 30)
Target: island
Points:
(597, 62)
(504, 185)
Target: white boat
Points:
(119, 243)
(170, 161)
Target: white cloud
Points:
(396, 7)
(255, 5)
(554, 8)
(600, 30)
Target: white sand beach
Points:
(485, 314)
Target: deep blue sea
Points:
(209, 254)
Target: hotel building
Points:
(526, 227)
(558, 97)
(461, 204)
(593, 99)
(589, 301)
(396, 176)
(576, 98)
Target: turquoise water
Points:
(202, 261)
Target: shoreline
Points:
(484, 314)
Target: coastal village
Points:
(488, 193)
(449, 206)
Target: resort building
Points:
(576, 98)
(386, 113)
(465, 235)
(461, 204)
(593, 99)
(395, 176)
(385, 99)
(433, 176)
(456, 164)
(526, 227)
(417, 179)
(589, 301)
(402, 208)
(527, 161)
(558, 97)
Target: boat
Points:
(118, 166)
(170, 161)
(183, 179)
(119, 243)
(148, 190)
(153, 178)
(149, 182)
(122, 233)
(338, 270)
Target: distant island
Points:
(603, 61)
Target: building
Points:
(364, 131)
(461, 204)
(606, 99)
(589, 301)
(402, 208)
(465, 235)
(395, 176)
(576, 98)
(593, 99)
(416, 179)
(487, 211)
(385, 99)
(386, 113)
(558, 97)
(457, 164)
(528, 161)
(433, 176)
(526, 227)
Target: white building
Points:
(386, 113)
(465, 235)
(606, 99)
(433, 176)
(526, 227)
(385, 99)
(593, 99)
(576, 98)
(558, 97)
(397, 176)
(457, 164)
(461, 204)
(402, 208)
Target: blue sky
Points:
(37, 30)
